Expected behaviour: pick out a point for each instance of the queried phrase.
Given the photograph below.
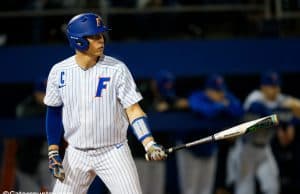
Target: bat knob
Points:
(170, 150)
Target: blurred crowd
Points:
(48, 27)
(263, 162)
(69, 4)
(54, 4)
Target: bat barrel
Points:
(266, 122)
(250, 126)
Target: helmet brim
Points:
(98, 31)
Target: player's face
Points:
(96, 45)
(270, 92)
(215, 95)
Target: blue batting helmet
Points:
(270, 78)
(215, 82)
(85, 24)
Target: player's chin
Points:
(98, 53)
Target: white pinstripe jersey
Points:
(93, 100)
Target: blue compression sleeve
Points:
(54, 126)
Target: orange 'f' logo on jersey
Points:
(98, 21)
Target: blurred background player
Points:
(254, 158)
(32, 156)
(285, 147)
(162, 98)
(215, 101)
(164, 93)
(197, 166)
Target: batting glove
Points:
(155, 151)
(55, 165)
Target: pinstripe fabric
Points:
(90, 121)
(95, 123)
(79, 173)
(114, 165)
(117, 170)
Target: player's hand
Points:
(155, 152)
(162, 106)
(181, 103)
(55, 165)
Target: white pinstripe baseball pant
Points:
(114, 165)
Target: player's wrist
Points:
(55, 165)
(53, 147)
(141, 128)
(147, 140)
(53, 153)
(148, 145)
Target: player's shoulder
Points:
(111, 62)
(65, 64)
(255, 95)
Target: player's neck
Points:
(85, 61)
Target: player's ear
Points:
(79, 43)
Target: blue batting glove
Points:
(55, 165)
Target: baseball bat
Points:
(238, 130)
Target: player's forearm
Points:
(133, 112)
(54, 127)
(294, 105)
(296, 111)
(139, 124)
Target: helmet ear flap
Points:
(78, 43)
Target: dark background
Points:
(240, 39)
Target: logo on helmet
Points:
(98, 21)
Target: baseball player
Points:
(214, 102)
(165, 97)
(94, 98)
(285, 147)
(252, 157)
